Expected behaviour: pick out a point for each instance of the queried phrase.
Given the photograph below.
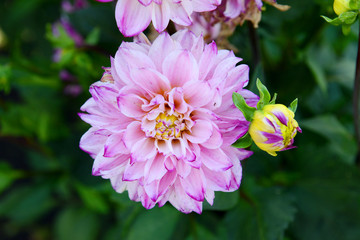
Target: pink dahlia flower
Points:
(134, 16)
(163, 121)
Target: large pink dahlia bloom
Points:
(134, 16)
(163, 121)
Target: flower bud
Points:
(341, 6)
(273, 128)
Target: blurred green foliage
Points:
(46, 187)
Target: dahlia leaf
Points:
(273, 99)
(293, 105)
(348, 17)
(240, 103)
(243, 142)
(335, 21)
(264, 95)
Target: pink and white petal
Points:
(186, 38)
(234, 8)
(91, 107)
(206, 61)
(215, 159)
(215, 141)
(176, 98)
(150, 80)
(181, 201)
(170, 163)
(192, 93)
(161, 48)
(154, 169)
(118, 184)
(96, 120)
(132, 17)
(183, 168)
(161, 16)
(145, 199)
(102, 165)
(131, 105)
(93, 141)
(180, 67)
(217, 181)
(132, 188)
(133, 134)
(145, 2)
(126, 58)
(179, 15)
(134, 171)
(204, 5)
(194, 185)
(143, 150)
(104, 95)
(200, 132)
(177, 147)
(209, 196)
(115, 146)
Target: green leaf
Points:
(240, 103)
(273, 100)
(93, 37)
(264, 95)
(223, 201)
(263, 214)
(354, 4)
(92, 198)
(243, 142)
(349, 17)
(293, 105)
(340, 140)
(157, 223)
(346, 29)
(336, 21)
(8, 175)
(76, 223)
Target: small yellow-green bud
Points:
(341, 6)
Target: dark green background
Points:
(46, 187)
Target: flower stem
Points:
(254, 40)
(356, 99)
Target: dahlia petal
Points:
(130, 105)
(233, 8)
(170, 163)
(179, 15)
(161, 48)
(215, 159)
(150, 80)
(146, 200)
(193, 185)
(183, 169)
(115, 146)
(186, 68)
(177, 147)
(186, 39)
(133, 134)
(145, 2)
(126, 59)
(209, 196)
(93, 140)
(181, 201)
(161, 16)
(154, 168)
(200, 132)
(215, 141)
(104, 164)
(217, 181)
(206, 61)
(104, 95)
(176, 98)
(134, 171)
(117, 183)
(132, 17)
(204, 5)
(192, 96)
(143, 150)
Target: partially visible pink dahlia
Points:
(163, 121)
(134, 16)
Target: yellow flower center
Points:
(168, 126)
